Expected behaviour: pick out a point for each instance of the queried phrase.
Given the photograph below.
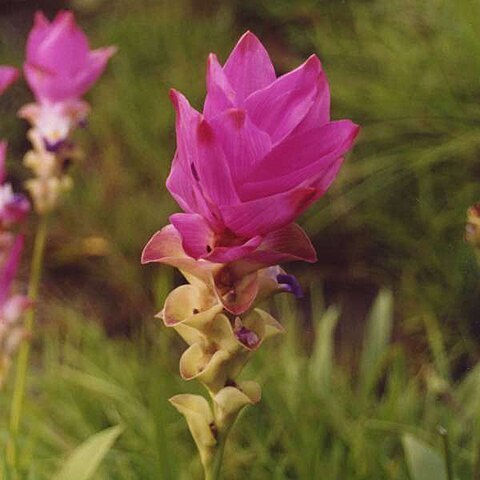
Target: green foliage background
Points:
(408, 71)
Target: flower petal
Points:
(3, 155)
(249, 67)
(301, 160)
(7, 76)
(94, 66)
(59, 46)
(165, 246)
(183, 181)
(199, 418)
(288, 244)
(198, 239)
(220, 94)
(213, 168)
(265, 215)
(280, 107)
(242, 142)
(233, 253)
(9, 269)
(319, 113)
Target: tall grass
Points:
(316, 419)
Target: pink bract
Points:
(11, 305)
(7, 76)
(59, 63)
(263, 150)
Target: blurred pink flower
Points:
(11, 306)
(60, 65)
(7, 76)
(261, 153)
(14, 207)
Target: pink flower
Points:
(14, 207)
(7, 76)
(11, 306)
(261, 153)
(60, 65)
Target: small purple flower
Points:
(248, 337)
(14, 207)
(289, 283)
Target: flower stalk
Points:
(59, 68)
(24, 351)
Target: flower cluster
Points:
(263, 150)
(59, 68)
(13, 211)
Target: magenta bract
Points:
(11, 306)
(263, 150)
(7, 76)
(60, 65)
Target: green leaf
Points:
(376, 340)
(321, 363)
(423, 462)
(85, 459)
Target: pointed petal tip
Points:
(66, 16)
(212, 58)
(106, 52)
(146, 255)
(40, 20)
(314, 63)
(176, 97)
(248, 40)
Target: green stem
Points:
(214, 467)
(446, 450)
(24, 352)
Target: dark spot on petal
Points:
(194, 172)
(238, 117)
(214, 430)
(195, 311)
(205, 132)
(209, 249)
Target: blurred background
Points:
(407, 71)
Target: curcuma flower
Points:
(60, 65)
(262, 152)
(59, 68)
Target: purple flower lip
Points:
(53, 147)
(290, 284)
(248, 337)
